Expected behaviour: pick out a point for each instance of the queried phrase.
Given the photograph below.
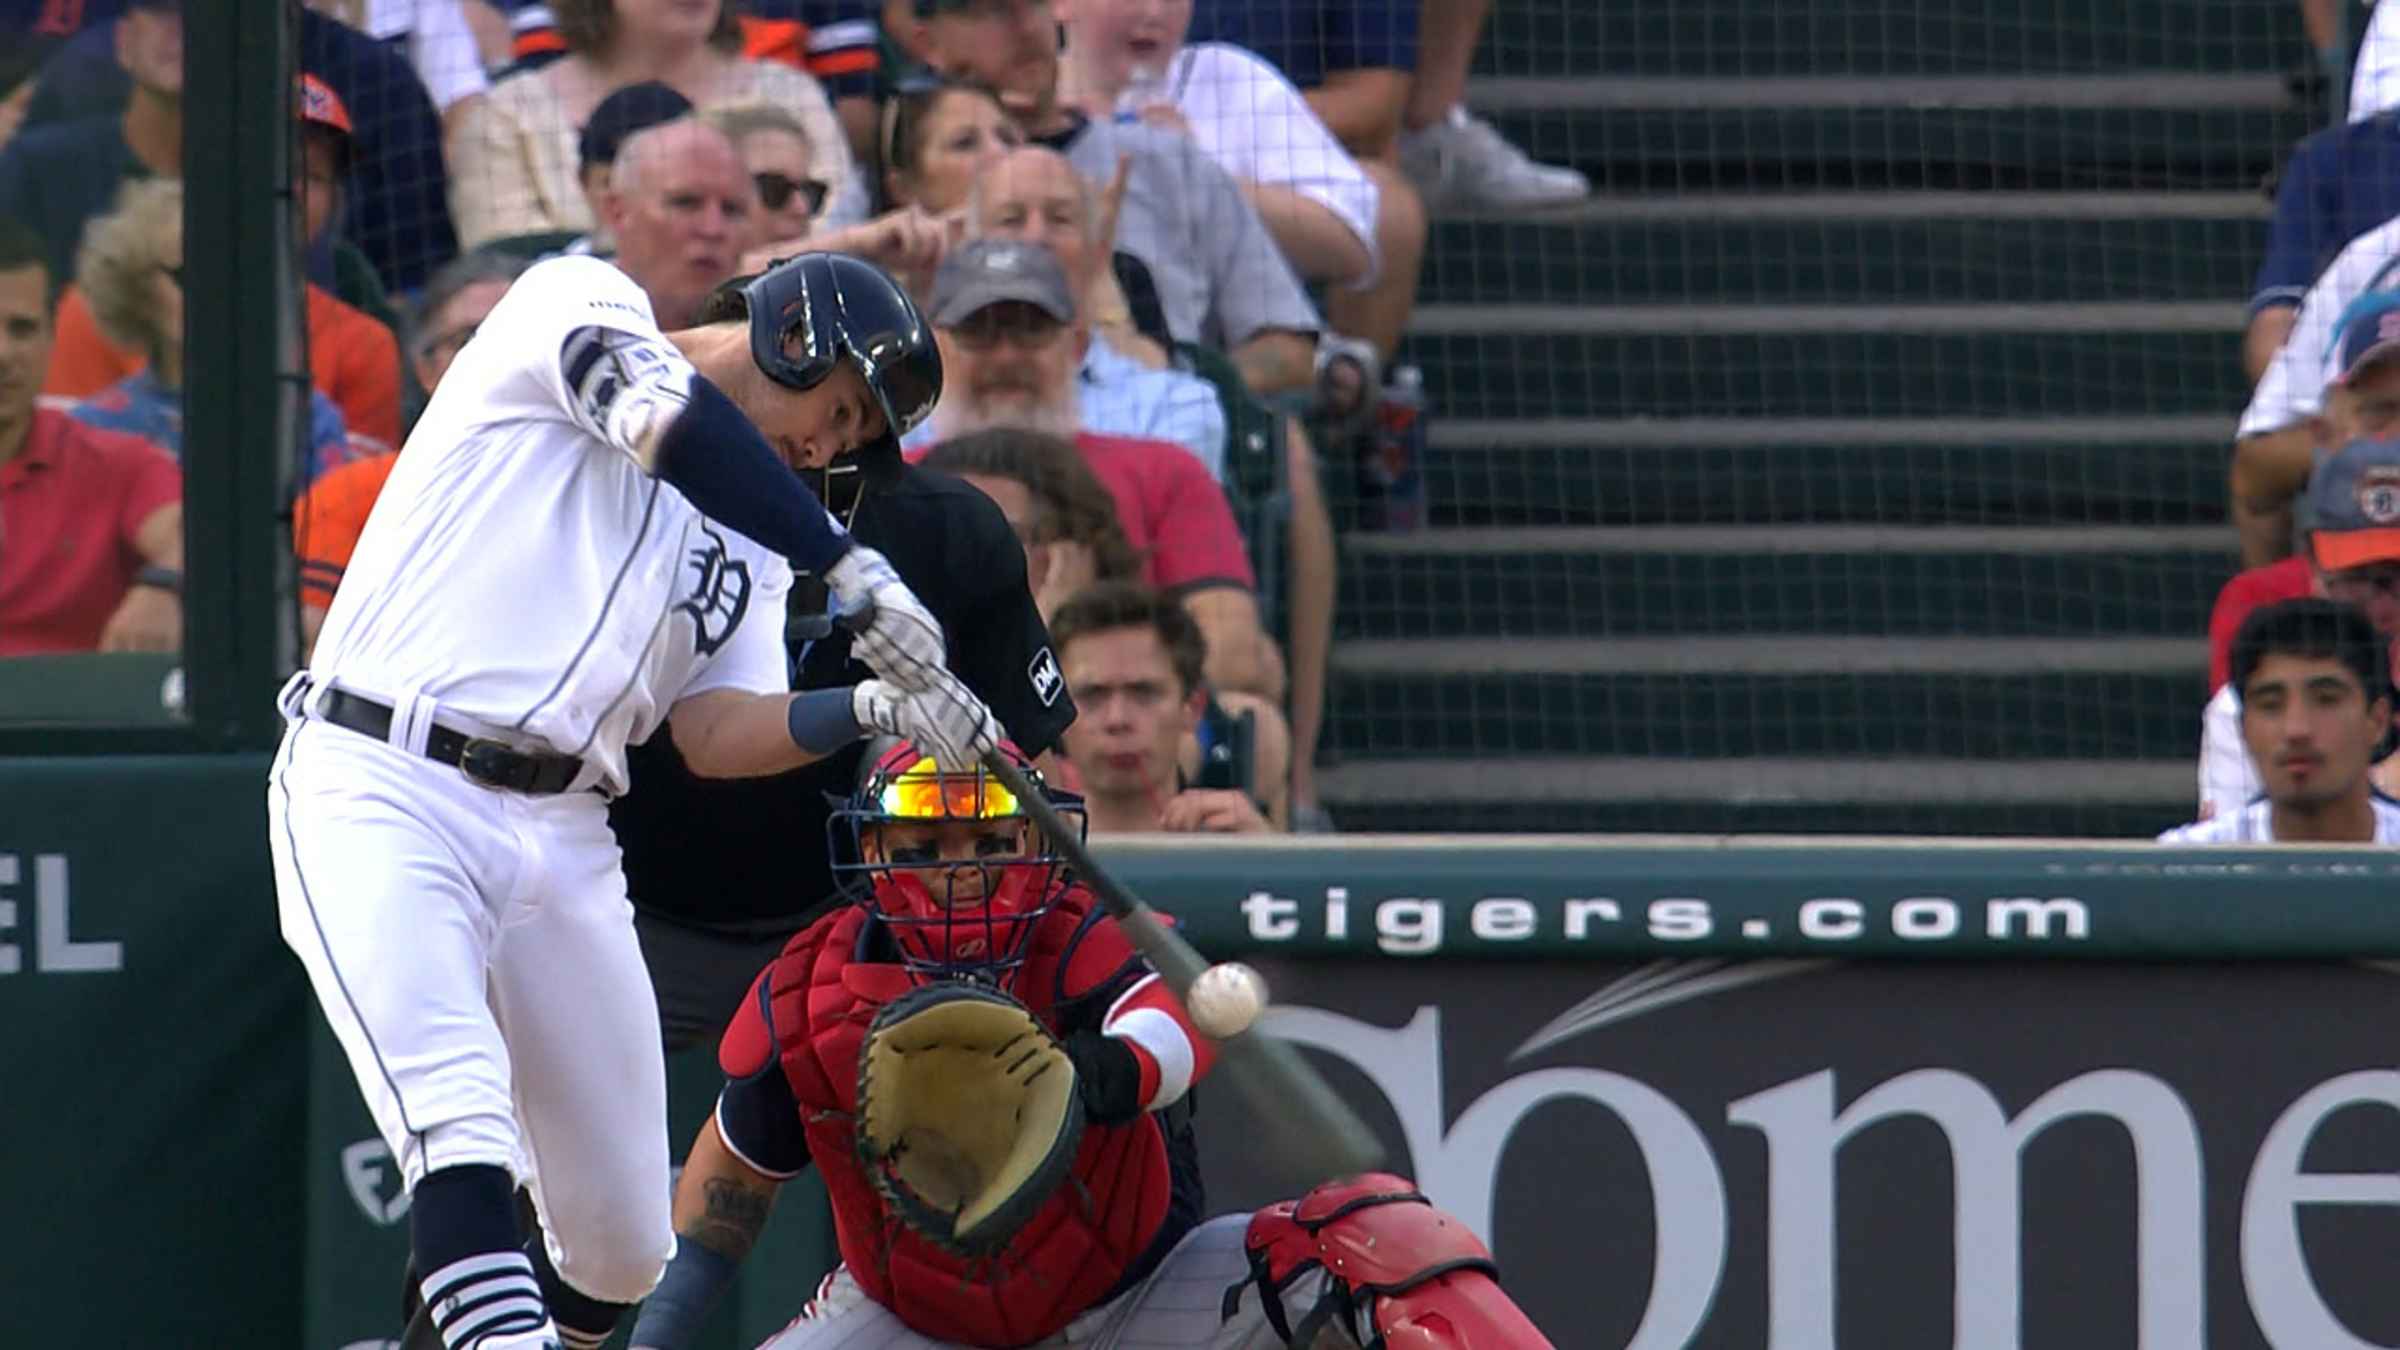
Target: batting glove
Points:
(901, 639)
(945, 721)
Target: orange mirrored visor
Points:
(922, 792)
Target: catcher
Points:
(995, 1086)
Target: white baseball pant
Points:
(474, 952)
(1179, 1307)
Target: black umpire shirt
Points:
(748, 853)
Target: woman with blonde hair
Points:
(130, 272)
(514, 165)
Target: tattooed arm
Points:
(721, 1204)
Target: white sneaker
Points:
(1462, 164)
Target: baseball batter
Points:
(973, 1207)
(595, 524)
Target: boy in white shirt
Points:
(2314, 680)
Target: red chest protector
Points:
(1074, 1250)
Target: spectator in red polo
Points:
(91, 521)
(1011, 344)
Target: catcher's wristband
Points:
(694, 1281)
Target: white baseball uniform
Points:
(521, 578)
(2254, 823)
(2293, 388)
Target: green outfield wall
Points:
(2152, 1090)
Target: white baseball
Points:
(1226, 999)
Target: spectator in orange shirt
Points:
(328, 520)
(91, 522)
(351, 357)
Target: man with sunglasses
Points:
(1013, 342)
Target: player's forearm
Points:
(2268, 473)
(2269, 329)
(721, 1206)
(1240, 655)
(729, 734)
(1275, 362)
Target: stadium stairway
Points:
(1854, 459)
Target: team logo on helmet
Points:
(2379, 495)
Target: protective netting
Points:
(1856, 457)
(1853, 457)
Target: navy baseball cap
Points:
(634, 108)
(2353, 506)
(2367, 334)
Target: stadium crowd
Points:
(1114, 211)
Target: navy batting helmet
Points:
(810, 313)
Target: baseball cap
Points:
(2353, 506)
(2369, 334)
(986, 272)
(320, 106)
(634, 108)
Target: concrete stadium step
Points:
(1872, 580)
(1832, 247)
(1830, 374)
(2226, 145)
(1771, 694)
(1741, 39)
(1708, 470)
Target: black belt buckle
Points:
(495, 765)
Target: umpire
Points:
(722, 872)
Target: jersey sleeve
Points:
(581, 347)
(756, 1113)
(999, 644)
(2228, 779)
(2293, 241)
(327, 523)
(152, 480)
(2293, 389)
(1194, 542)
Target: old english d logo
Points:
(720, 593)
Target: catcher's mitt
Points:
(968, 1115)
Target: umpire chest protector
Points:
(1079, 1245)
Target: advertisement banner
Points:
(1804, 1155)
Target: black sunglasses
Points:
(174, 272)
(775, 189)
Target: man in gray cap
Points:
(1012, 342)
(2351, 510)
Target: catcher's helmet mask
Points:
(810, 313)
(979, 923)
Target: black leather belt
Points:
(480, 758)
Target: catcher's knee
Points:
(1397, 1270)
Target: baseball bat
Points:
(1312, 1128)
